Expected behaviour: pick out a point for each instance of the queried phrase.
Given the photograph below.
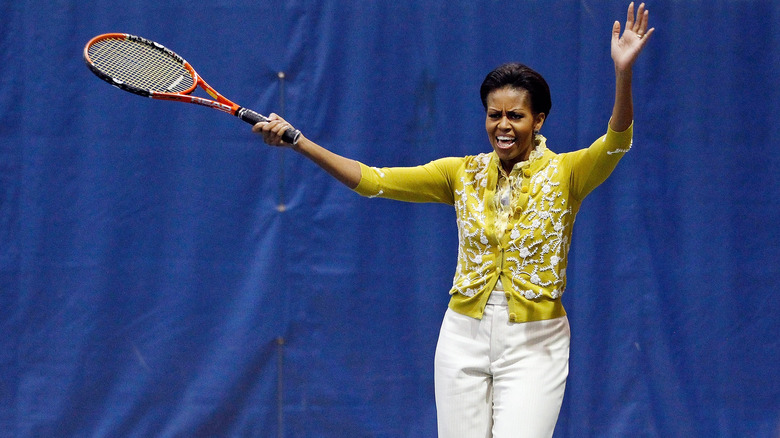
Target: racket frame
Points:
(220, 103)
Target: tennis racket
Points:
(149, 69)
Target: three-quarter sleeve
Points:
(593, 165)
(432, 182)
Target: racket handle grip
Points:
(251, 117)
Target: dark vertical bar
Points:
(280, 386)
(281, 205)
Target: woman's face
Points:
(510, 124)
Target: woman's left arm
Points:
(625, 50)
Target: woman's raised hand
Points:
(626, 48)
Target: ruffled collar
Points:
(538, 152)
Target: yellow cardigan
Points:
(530, 257)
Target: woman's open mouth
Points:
(503, 142)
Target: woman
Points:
(502, 357)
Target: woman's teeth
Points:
(505, 142)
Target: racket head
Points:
(139, 65)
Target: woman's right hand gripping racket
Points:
(146, 68)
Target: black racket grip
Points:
(251, 117)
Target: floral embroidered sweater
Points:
(528, 251)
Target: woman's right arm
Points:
(346, 170)
(428, 183)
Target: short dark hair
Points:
(517, 75)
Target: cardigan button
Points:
(524, 189)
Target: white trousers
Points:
(499, 379)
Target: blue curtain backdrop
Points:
(164, 273)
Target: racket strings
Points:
(140, 65)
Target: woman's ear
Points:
(539, 121)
